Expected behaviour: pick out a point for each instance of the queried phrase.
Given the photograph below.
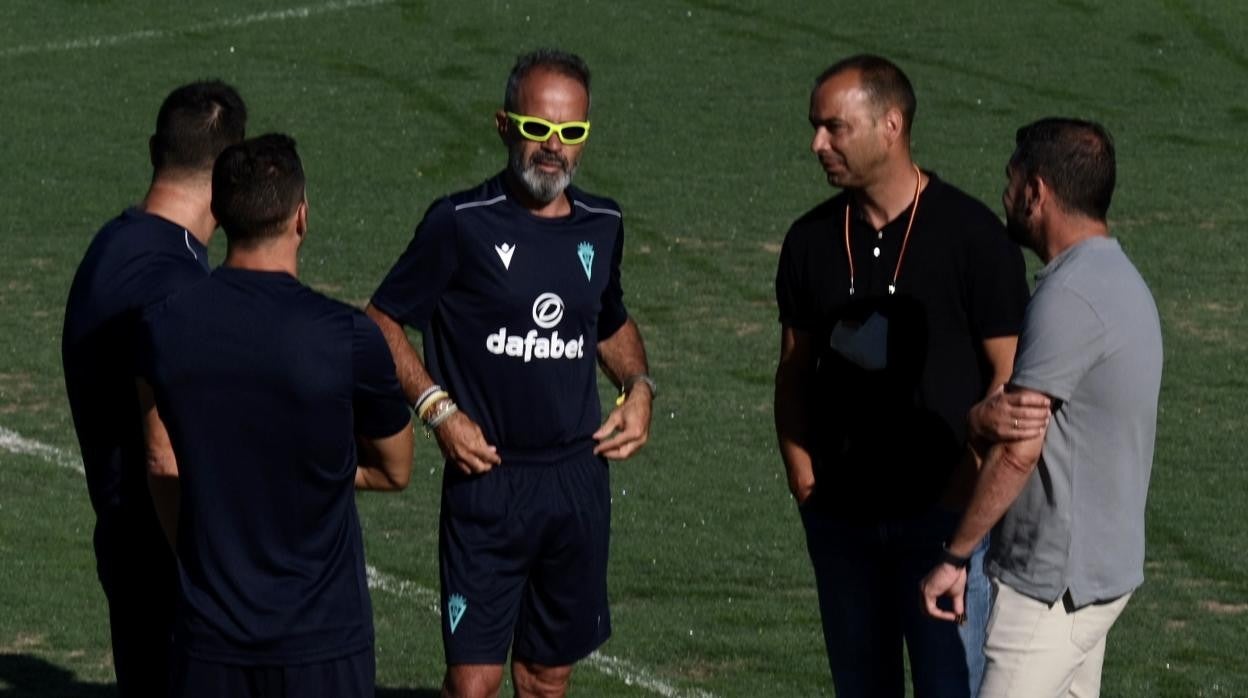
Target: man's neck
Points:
(557, 207)
(1068, 231)
(184, 202)
(891, 194)
(276, 256)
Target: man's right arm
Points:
(162, 465)
(384, 463)
(793, 378)
(460, 438)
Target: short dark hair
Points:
(562, 62)
(257, 185)
(885, 84)
(1075, 158)
(196, 122)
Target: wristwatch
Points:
(631, 381)
(956, 560)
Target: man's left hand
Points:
(1009, 416)
(627, 428)
(945, 580)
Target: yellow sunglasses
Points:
(535, 129)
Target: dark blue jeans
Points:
(868, 577)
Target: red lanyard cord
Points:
(905, 241)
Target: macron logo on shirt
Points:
(505, 251)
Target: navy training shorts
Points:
(523, 557)
(353, 676)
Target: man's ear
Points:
(503, 124)
(301, 219)
(894, 124)
(1036, 193)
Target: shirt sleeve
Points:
(161, 282)
(1061, 340)
(613, 314)
(143, 355)
(997, 293)
(792, 294)
(411, 290)
(379, 404)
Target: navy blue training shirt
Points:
(511, 307)
(135, 260)
(263, 384)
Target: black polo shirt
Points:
(263, 385)
(887, 432)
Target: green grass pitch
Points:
(700, 132)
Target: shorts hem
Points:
(563, 660)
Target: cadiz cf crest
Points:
(586, 252)
(455, 609)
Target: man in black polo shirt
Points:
(139, 258)
(900, 299)
(515, 287)
(278, 403)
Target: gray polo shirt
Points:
(1091, 340)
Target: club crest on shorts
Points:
(455, 609)
(586, 252)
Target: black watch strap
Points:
(951, 559)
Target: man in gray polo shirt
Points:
(1069, 550)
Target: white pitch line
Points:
(14, 442)
(633, 675)
(627, 672)
(404, 589)
(108, 40)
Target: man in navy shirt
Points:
(139, 258)
(267, 391)
(515, 288)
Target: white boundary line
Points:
(14, 442)
(628, 673)
(109, 40)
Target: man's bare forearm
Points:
(162, 465)
(384, 463)
(793, 375)
(413, 376)
(623, 354)
(1005, 472)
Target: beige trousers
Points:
(1041, 651)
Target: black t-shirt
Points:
(135, 260)
(889, 424)
(263, 385)
(511, 307)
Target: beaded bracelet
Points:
(445, 409)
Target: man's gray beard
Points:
(541, 186)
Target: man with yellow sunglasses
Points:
(515, 288)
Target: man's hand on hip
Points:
(461, 441)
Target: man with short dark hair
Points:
(1069, 550)
(515, 287)
(139, 258)
(278, 403)
(900, 300)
